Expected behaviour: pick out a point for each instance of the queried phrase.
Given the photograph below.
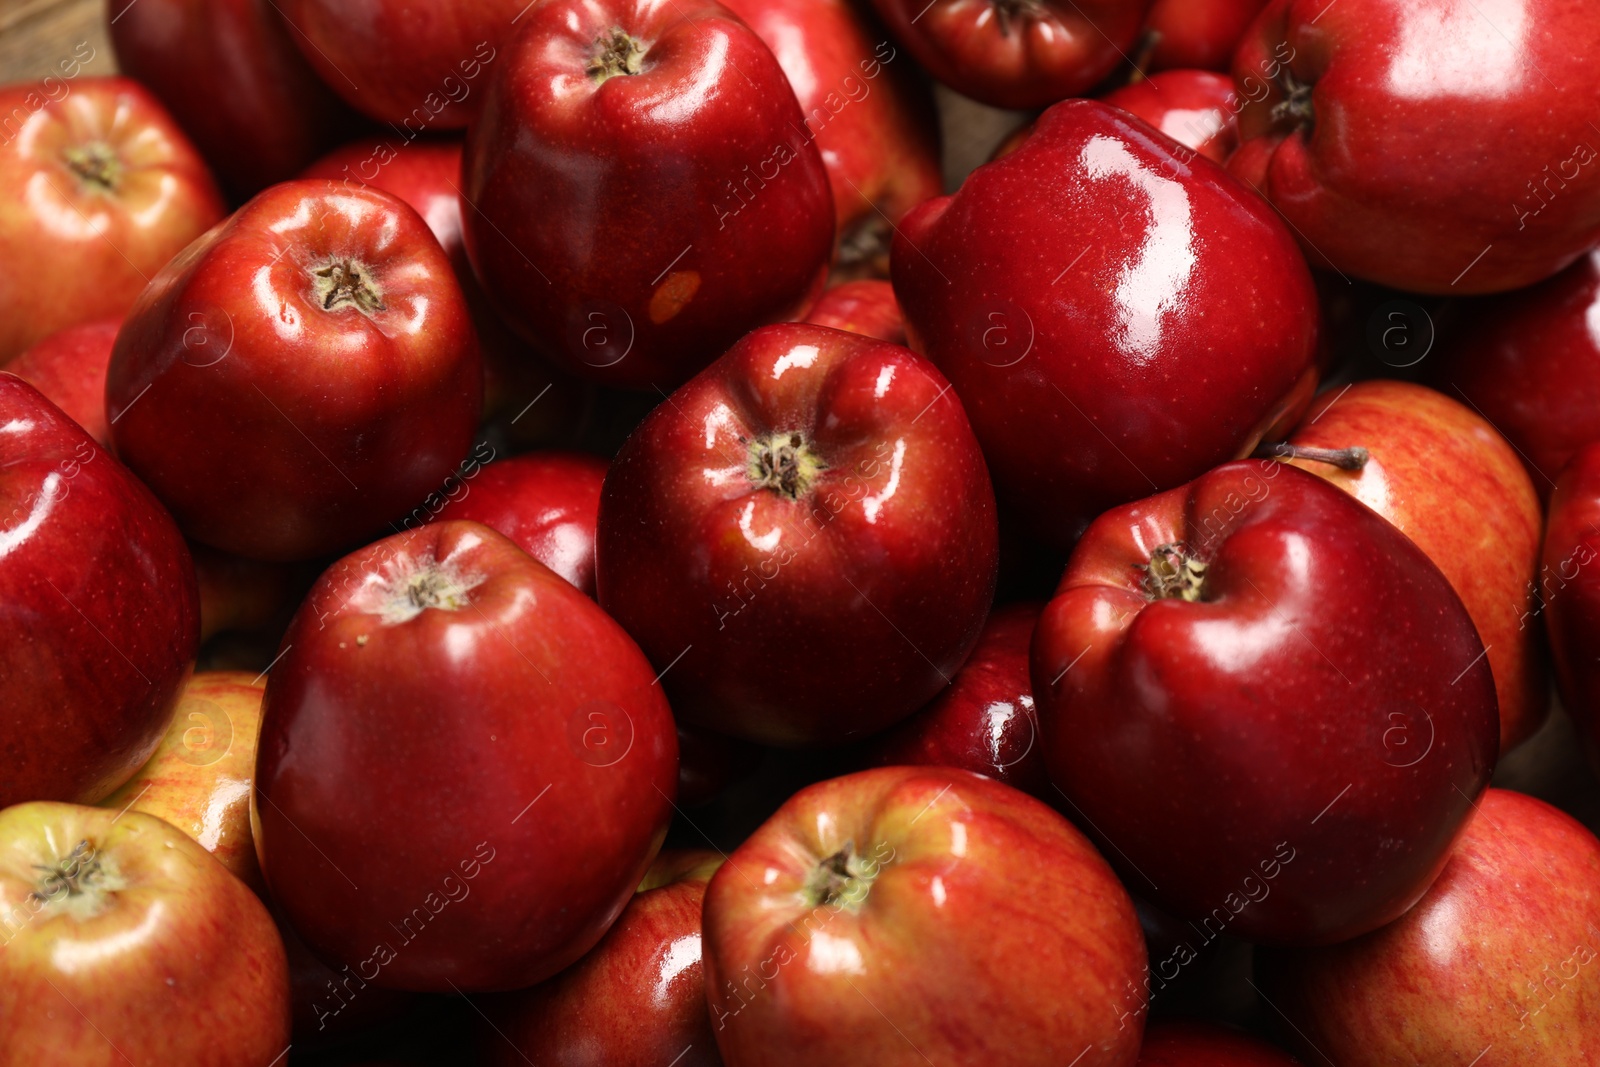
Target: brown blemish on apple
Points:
(96, 165)
(784, 462)
(1173, 572)
(673, 295)
(616, 53)
(343, 283)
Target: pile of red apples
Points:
(581, 532)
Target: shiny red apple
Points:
(69, 368)
(1498, 963)
(912, 915)
(1116, 317)
(1366, 124)
(1196, 108)
(1196, 1044)
(300, 376)
(99, 624)
(640, 190)
(866, 306)
(1299, 678)
(1568, 588)
(1196, 34)
(802, 538)
(98, 189)
(465, 767)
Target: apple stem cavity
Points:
(1007, 10)
(96, 165)
(785, 463)
(411, 586)
(1294, 110)
(1173, 572)
(347, 283)
(78, 883)
(840, 881)
(1346, 459)
(617, 52)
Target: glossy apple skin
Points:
(1195, 1044)
(403, 751)
(1453, 485)
(199, 777)
(638, 999)
(287, 430)
(1384, 176)
(77, 243)
(548, 503)
(624, 238)
(1501, 951)
(1197, 34)
(1117, 318)
(543, 405)
(867, 108)
(418, 67)
(177, 962)
(866, 306)
(713, 569)
(1529, 361)
(230, 73)
(1042, 53)
(1569, 585)
(69, 368)
(984, 721)
(99, 624)
(1196, 108)
(805, 965)
(1287, 712)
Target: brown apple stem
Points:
(1294, 110)
(1173, 572)
(69, 876)
(616, 53)
(347, 283)
(842, 880)
(1346, 459)
(95, 164)
(1006, 10)
(784, 462)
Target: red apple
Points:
(465, 766)
(1016, 53)
(916, 915)
(1501, 954)
(1196, 108)
(125, 942)
(1199, 34)
(640, 190)
(300, 376)
(418, 68)
(230, 73)
(802, 539)
(868, 111)
(69, 368)
(98, 625)
(1195, 1044)
(98, 189)
(1453, 485)
(1366, 124)
(985, 720)
(867, 307)
(1300, 679)
(638, 999)
(1529, 362)
(1569, 590)
(332, 1005)
(548, 503)
(1116, 314)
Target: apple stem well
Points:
(78, 882)
(411, 586)
(616, 52)
(1173, 572)
(840, 881)
(1007, 10)
(347, 283)
(96, 165)
(1346, 459)
(784, 462)
(1294, 110)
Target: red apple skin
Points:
(1501, 952)
(548, 503)
(985, 721)
(69, 368)
(99, 625)
(866, 306)
(1016, 55)
(456, 759)
(1529, 362)
(1569, 585)
(1453, 485)
(160, 956)
(625, 239)
(1380, 166)
(1198, 1044)
(1320, 718)
(275, 427)
(230, 73)
(638, 999)
(98, 189)
(1196, 108)
(331, 1005)
(420, 68)
(820, 928)
(1197, 34)
(1089, 381)
(871, 115)
(705, 555)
